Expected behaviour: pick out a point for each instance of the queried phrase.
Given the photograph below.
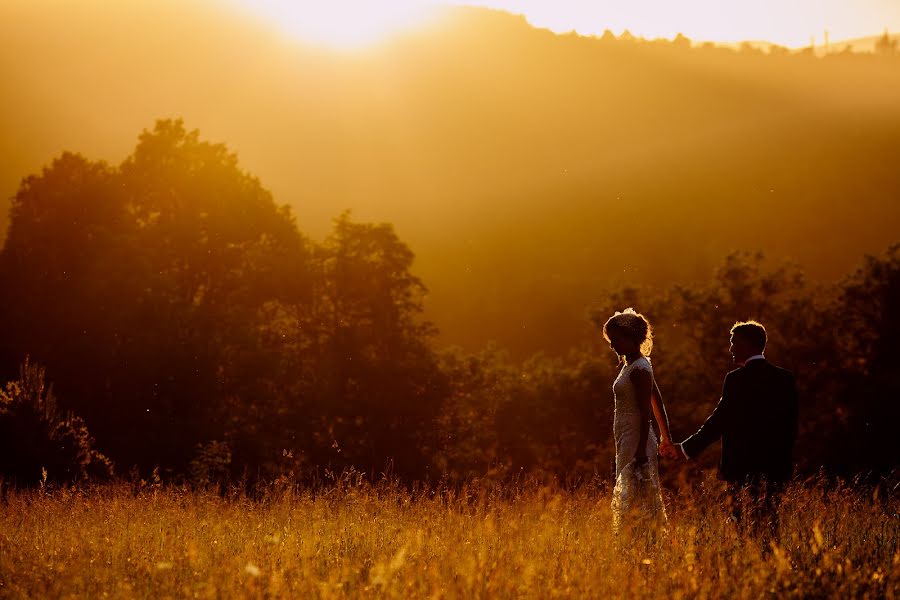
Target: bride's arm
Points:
(643, 390)
(659, 413)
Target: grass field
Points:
(352, 539)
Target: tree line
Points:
(186, 323)
(490, 145)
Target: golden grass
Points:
(358, 540)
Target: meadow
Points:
(351, 538)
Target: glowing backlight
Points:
(343, 24)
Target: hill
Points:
(530, 172)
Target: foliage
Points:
(567, 164)
(211, 464)
(867, 324)
(192, 325)
(38, 442)
(885, 45)
(207, 315)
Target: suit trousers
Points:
(753, 507)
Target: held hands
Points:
(669, 450)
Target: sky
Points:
(792, 23)
(787, 22)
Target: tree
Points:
(141, 287)
(67, 269)
(382, 384)
(216, 248)
(867, 327)
(682, 42)
(885, 45)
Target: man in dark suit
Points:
(756, 419)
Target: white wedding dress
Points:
(636, 499)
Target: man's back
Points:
(757, 422)
(758, 439)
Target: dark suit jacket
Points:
(756, 419)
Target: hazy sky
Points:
(788, 22)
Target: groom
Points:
(756, 419)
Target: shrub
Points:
(40, 443)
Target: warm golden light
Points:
(342, 24)
(356, 24)
(792, 23)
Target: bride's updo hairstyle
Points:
(631, 325)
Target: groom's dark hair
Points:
(752, 331)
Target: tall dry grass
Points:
(353, 539)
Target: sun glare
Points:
(343, 24)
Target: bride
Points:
(636, 501)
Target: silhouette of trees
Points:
(182, 312)
(681, 42)
(215, 248)
(496, 118)
(381, 369)
(39, 443)
(355, 381)
(186, 319)
(866, 326)
(885, 45)
(138, 286)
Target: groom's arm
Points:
(793, 425)
(713, 427)
(793, 402)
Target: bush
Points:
(211, 464)
(38, 442)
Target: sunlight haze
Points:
(358, 24)
(499, 151)
(342, 24)
(356, 299)
(791, 23)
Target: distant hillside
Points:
(530, 172)
(863, 45)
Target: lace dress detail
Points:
(636, 496)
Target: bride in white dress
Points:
(636, 502)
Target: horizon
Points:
(796, 24)
(799, 24)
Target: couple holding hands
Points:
(756, 419)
